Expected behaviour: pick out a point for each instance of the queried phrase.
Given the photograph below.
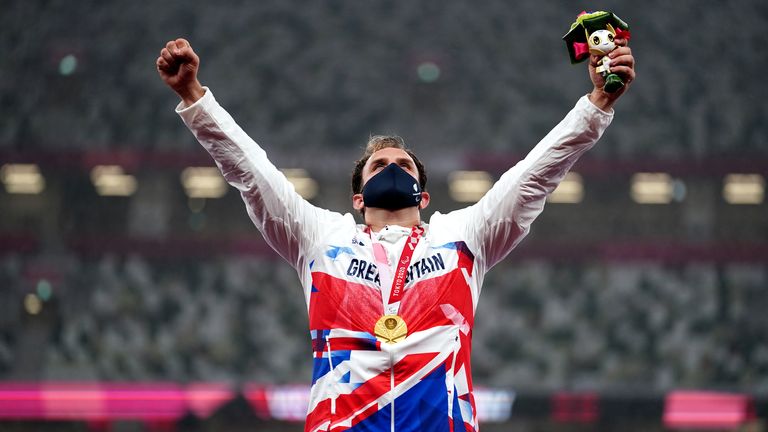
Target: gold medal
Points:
(390, 329)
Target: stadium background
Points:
(117, 275)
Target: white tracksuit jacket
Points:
(422, 383)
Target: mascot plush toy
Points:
(594, 33)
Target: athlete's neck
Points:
(378, 218)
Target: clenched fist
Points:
(177, 66)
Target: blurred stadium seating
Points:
(578, 325)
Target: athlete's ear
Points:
(357, 202)
(424, 200)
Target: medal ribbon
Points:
(392, 306)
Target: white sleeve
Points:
(501, 219)
(289, 224)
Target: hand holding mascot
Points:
(594, 33)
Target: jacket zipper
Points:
(330, 364)
(392, 389)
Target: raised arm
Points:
(500, 220)
(290, 224)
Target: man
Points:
(391, 302)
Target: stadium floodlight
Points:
(652, 188)
(468, 186)
(304, 185)
(203, 182)
(32, 304)
(569, 191)
(22, 178)
(111, 180)
(744, 188)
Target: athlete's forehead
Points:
(389, 155)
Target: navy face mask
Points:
(392, 189)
